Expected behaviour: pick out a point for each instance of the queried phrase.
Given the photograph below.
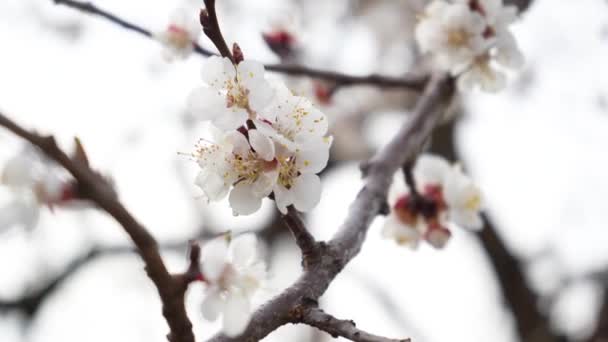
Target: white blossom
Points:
(233, 273)
(472, 40)
(443, 194)
(244, 167)
(232, 94)
(181, 33)
(452, 33)
(33, 183)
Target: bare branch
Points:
(211, 27)
(306, 242)
(346, 244)
(411, 82)
(338, 327)
(97, 189)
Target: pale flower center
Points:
(288, 171)
(473, 203)
(178, 37)
(459, 37)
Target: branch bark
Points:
(338, 327)
(97, 189)
(307, 243)
(346, 244)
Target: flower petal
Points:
(212, 184)
(243, 200)
(237, 313)
(212, 304)
(306, 192)
(244, 250)
(262, 145)
(313, 158)
(218, 71)
(214, 258)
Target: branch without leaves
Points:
(338, 327)
(305, 240)
(409, 81)
(97, 189)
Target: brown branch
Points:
(211, 27)
(97, 189)
(338, 327)
(412, 82)
(307, 243)
(346, 244)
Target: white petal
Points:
(306, 192)
(19, 171)
(232, 118)
(237, 313)
(239, 143)
(217, 71)
(262, 187)
(213, 304)
(244, 250)
(24, 213)
(262, 145)
(213, 185)
(283, 198)
(243, 201)
(431, 169)
(206, 103)
(313, 158)
(214, 256)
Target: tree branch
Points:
(97, 189)
(346, 244)
(338, 327)
(307, 243)
(411, 82)
(211, 27)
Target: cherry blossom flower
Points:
(244, 166)
(181, 33)
(443, 194)
(298, 129)
(452, 33)
(472, 40)
(233, 273)
(232, 93)
(33, 182)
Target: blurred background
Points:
(538, 150)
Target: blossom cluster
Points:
(33, 182)
(233, 272)
(471, 38)
(267, 141)
(442, 194)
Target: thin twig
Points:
(304, 240)
(338, 327)
(211, 27)
(97, 189)
(408, 81)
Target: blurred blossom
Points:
(468, 37)
(233, 273)
(443, 194)
(182, 31)
(34, 182)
